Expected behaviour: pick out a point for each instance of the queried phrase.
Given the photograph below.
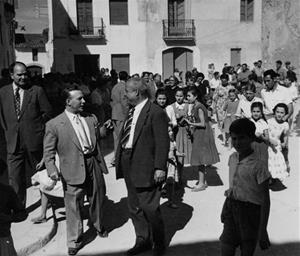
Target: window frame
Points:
(110, 14)
(35, 53)
(244, 17)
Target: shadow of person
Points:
(175, 219)
(212, 177)
(115, 214)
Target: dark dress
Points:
(204, 150)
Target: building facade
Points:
(153, 35)
(7, 27)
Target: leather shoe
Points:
(139, 248)
(72, 251)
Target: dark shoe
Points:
(159, 250)
(72, 251)
(139, 248)
(102, 233)
(39, 220)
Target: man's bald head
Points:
(136, 90)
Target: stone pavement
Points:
(193, 228)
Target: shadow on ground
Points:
(212, 248)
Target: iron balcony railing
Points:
(88, 29)
(178, 29)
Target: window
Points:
(235, 56)
(85, 17)
(120, 62)
(34, 54)
(247, 10)
(118, 11)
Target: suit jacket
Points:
(150, 146)
(35, 112)
(60, 137)
(118, 102)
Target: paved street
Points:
(194, 228)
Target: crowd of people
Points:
(159, 127)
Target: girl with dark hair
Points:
(204, 151)
(278, 133)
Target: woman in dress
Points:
(204, 151)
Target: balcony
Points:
(94, 29)
(179, 30)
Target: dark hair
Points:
(243, 126)
(271, 73)
(123, 75)
(193, 90)
(261, 108)
(250, 87)
(12, 66)
(279, 62)
(281, 105)
(160, 91)
(65, 94)
(216, 73)
(291, 76)
(224, 76)
(253, 77)
(145, 73)
(232, 90)
(200, 75)
(179, 89)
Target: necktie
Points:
(18, 102)
(127, 128)
(82, 134)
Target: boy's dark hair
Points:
(160, 91)
(224, 76)
(2, 166)
(243, 126)
(271, 73)
(123, 75)
(281, 105)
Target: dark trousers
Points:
(21, 165)
(143, 205)
(94, 188)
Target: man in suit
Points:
(141, 159)
(119, 107)
(74, 136)
(24, 110)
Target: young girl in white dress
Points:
(278, 134)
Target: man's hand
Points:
(40, 165)
(264, 241)
(159, 176)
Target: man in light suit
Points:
(74, 136)
(24, 110)
(119, 107)
(141, 159)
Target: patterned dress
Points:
(220, 97)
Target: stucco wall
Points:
(281, 32)
(218, 29)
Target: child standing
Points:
(246, 209)
(204, 151)
(11, 210)
(261, 142)
(278, 133)
(230, 108)
(180, 110)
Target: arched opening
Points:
(176, 58)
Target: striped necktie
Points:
(127, 128)
(18, 102)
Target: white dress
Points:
(277, 165)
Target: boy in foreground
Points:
(246, 209)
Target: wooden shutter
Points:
(250, 10)
(243, 10)
(120, 62)
(118, 10)
(85, 17)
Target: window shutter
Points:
(243, 10)
(85, 17)
(118, 12)
(250, 10)
(120, 62)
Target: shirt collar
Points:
(139, 106)
(179, 106)
(71, 116)
(15, 87)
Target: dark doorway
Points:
(180, 58)
(86, 64)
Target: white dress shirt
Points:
(21, 92)
(244, 107)
(72, 117)
(137, 110)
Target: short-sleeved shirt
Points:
(244, 107)
(277, 129)
(271, 98)
(245, 176)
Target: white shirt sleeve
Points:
(171, 114)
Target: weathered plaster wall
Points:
(281, 32)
